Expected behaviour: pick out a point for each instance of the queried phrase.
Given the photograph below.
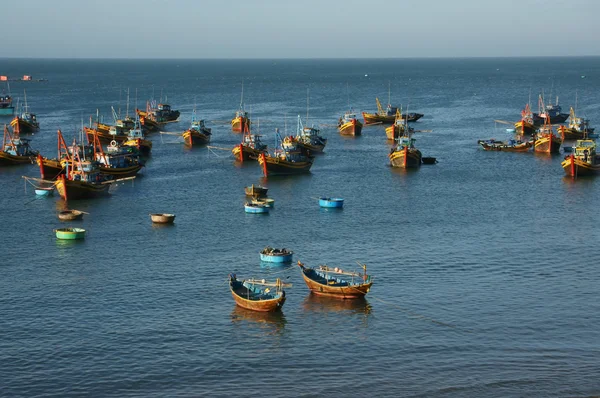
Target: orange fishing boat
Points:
(241, 121)
(15, 150)
(349, 124)
(583, 161)
(404, 154)
(546, 141)
(335, 282)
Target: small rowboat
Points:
(331, 202)
(255, 208)
(428, 160)
(258, 295)
(70, 215)
(162, 218)
(334, 282)
(272, 255)
(70, 233)
(256, 191)
(44, 191)
(265, 201)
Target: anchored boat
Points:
(335, 282)
(258, 295)
(349, 124)
(404, 154)
(16, 150)
(198, 133)
(583, 161)
(273, 255)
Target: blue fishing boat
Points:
(331, 202)
(272, 255)
(255, 208)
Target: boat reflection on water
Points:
(270, 322)
(316, 303)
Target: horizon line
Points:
(301, 58)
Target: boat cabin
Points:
(585, 150)
(18, 147)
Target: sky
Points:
(299, 29)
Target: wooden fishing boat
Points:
(241, 121)
(256, 191)
(162, 218)
(255, 208)
(331, 202)
(16, 150)
(579, 128)
(250, 148)
(583, 161)
(198, 133)
(349, 124)
(549, 113)
(117, 162)
(285, 162)
(117, 133)
(6, 107)
(272, 255)
(70, 215)
(309, 140)
(26, 122)
(525, 126)
(51, 169)
(70, 233)
(163, 113)
(335, 282)
(388, 116)
(82, 180)
(399, 128)
(404, 154)
(137, 139)
(258, 295)
(546, 141)
(508, 146)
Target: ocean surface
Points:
(485, 265)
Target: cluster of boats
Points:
(535, 132)
(266, 296)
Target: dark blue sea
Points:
(485, 265)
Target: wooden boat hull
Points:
(351, 128)
(143, 146)
(256, 191)
(70, 233)
(245, 152)
(375, 118)
(162, 218)
(557, 119)
(105, 138)
(240, 124)
(50, 169)
(267, 305)
(341, 292)
(77, 190)
(310, 149)
(405, 158)
(275, 166)
(6, 159)
(195, 138)
(573, 134)
(524, 128)
(121, 172)
(21, 126)
(576, 167)
(501, 147)
(547, 145)
(70, 215)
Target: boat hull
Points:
(502, 147)
(105, 138)
(340, 292)
(77, 190)
(286, 258)
(351, 128)
(375, 118)
(50, 169)
(405, 158)
(556, 119)
(547, 145)
(573, 134)
(275, 166)
(331, 202)
(21, 126)
(6, 159)
(161, 218)
(240, 124)
(143, 146)
(246, 153)
(120, 172)
(195, 138)
(70, 233)
(524, 128)
(256, 209)
(574, 167)
(267, 305)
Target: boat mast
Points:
(127, 109)
(242, 97)
(389, 93)
(307, 102)
(25, 95)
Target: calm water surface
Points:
(485, 264)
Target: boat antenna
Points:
(120, 95)
(25, 95)
(242, 97)
(127, 112)
(285, 123)
(389, 93)
(307, 102)
(348, 95)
